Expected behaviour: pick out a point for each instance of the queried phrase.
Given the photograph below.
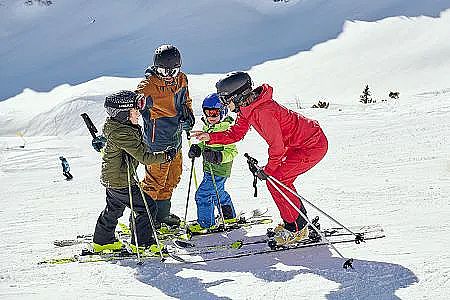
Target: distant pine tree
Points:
(365, 97)
(39, 2)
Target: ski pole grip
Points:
(250, 160)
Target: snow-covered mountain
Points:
(70, 42)
(388, 162)
(408, 55)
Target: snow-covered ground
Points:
(388, 163)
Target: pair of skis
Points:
(247, 219)
(189, 252)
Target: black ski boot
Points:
(164, 215)
(228, 215)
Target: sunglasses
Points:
(167, 72)
(212, 112)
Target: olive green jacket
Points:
(122, 141)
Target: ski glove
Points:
(170, 153)
(188, 119)
(98, 143)
(194, 151)
(186, 126)
(212, 156)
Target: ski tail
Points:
(91, 127)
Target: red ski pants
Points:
(298, 161)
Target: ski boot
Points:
(196, 229)
(152, 250)
(285, 237)
(163, 214)
(94, 248)
(171, 220)
(165, 230)
(288, 233)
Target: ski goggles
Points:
(214, 112)
(167, 72)
(225, 99)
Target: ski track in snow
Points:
(388, 163)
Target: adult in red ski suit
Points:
(296, 144)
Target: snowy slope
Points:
(388, 163)
(76, 41)
(394, 54)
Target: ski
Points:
(90, 125)
(114, 256)
(333, 234)
(87, 256)
(245, 219)
(123, 232)
(231, 226)
(190, 257)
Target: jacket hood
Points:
(265, 95)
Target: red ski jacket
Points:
(279, 126)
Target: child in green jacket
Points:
(123, 152)
(217, 162)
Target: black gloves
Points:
(212, 156)
(194, 151)
(98, 143)
(170, 153)
(209, 155)
(188, 119)
(186, 126)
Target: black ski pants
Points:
(116, 201)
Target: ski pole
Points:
(152, 223)
(133, 221)
(252, 161)
(193, 168)
(358, 237)
(219, 205)
(348, 262)
(189, 192)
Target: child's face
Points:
(212, 115)
(213, 120)
(134, 116)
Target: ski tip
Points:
(183, 244)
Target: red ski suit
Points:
(296, 144)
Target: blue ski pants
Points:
(206, 200)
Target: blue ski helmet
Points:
(212, 101)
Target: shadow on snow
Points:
(369, 279)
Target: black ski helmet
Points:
(167, 56)
(236, 88)
(118, 105)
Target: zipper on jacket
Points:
(154, 129)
